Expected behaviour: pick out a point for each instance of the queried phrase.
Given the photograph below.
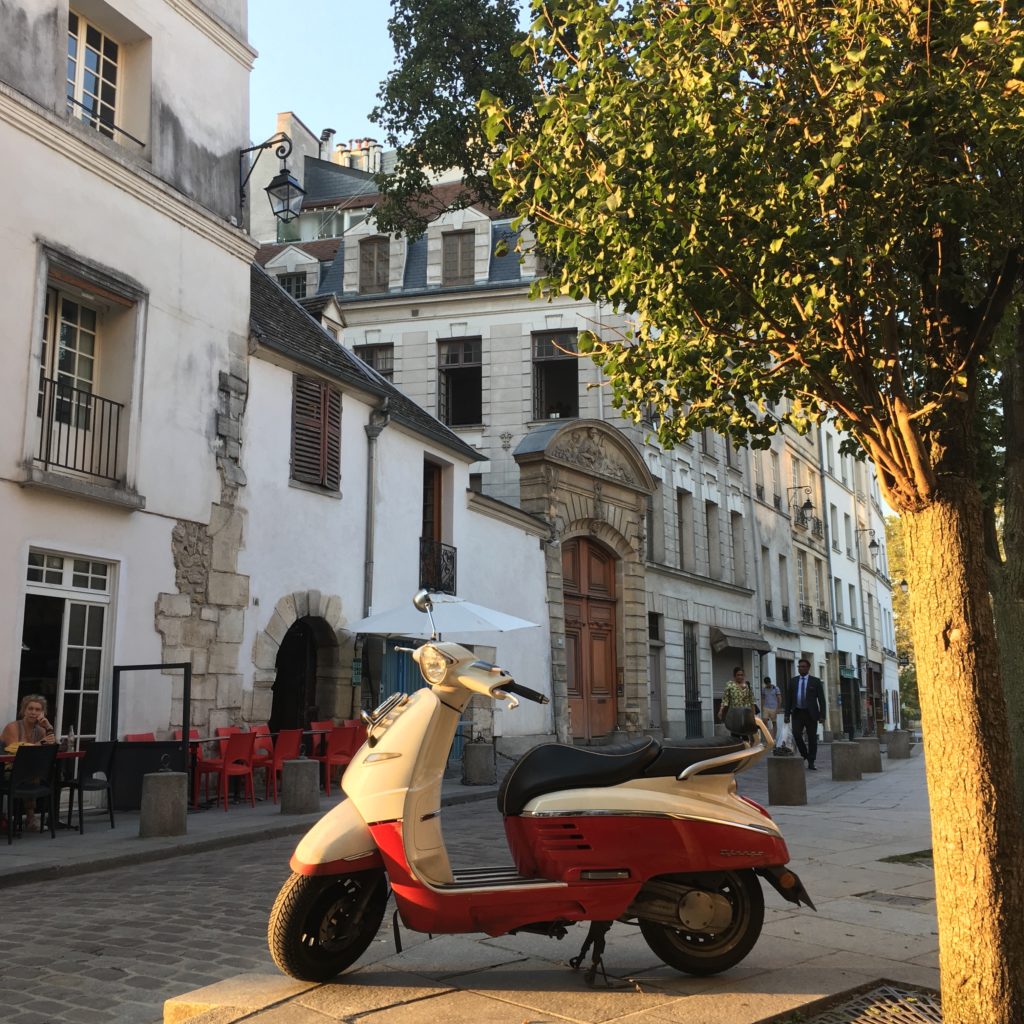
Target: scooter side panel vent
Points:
(561, 836)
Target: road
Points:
(112, 946)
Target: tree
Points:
(447, 53)
(817, 210)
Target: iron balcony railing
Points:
(823, 618)
(818, 527)
(768, 609)
(785, 613)
(78, 431)
(806, 614)
(437, 566)
(759, 488)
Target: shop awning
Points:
(721, 639)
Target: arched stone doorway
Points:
(300, 662)
(591, 486)
(591, 661)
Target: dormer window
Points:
(458, 254)
(374, 268)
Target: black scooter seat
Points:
(672, 760)
(551, 767)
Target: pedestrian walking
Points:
(771, 701)
(737, 694)
(805, 704)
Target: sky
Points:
(325, 64)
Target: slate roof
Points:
(321, 249)
(324, 180)
(281, 324)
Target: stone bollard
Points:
(478, 767)
(164, 808)
(787, 781)
(845, 761)
(898, 745)
(870, 754)
(300, 786)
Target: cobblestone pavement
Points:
(112, 946)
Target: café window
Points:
(556, 388)
(460, 382)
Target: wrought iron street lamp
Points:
(873, 543)
(284, 191)
(808, 506)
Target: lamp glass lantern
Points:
(285, 195)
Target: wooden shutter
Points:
(316, 433)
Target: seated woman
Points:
(31, 727)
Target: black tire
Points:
(702, 953)
(319, 926)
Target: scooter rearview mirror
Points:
(421, 599)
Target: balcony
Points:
(437, 566)
(785, 613)
(759, 491)
(767, 609)
(823, 618)
(777, 501)
(806, 615)
(801, 519)
(78, 432)
(817, 527)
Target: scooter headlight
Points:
(433, 665)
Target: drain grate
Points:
(886, 1004)
(893, 899)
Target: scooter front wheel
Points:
(321, 925)
(703, 952)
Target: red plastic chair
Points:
(317, 743)
(342, 743)
(223, 732)
(236, 763)
(140, 737)
(199, 760)
(263, 749)
(286, 748)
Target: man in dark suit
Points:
(805, 704)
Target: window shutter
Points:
(366, 276)
(332, 440)
(467, 241)
(307, 431)
(450, 267)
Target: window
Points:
(739, 554)
(64, 649)
(316, 433)
(457, 257)
(784, 586)
(686, 532)
(380, 357)
(460, 382)
(714, 539)
(833, 523)
(776, 481)
(90, 331)
(830, 455)
(838, 585)
(93, 61)
(556, 392)
(766, 581)
(374, 266)
(848, 530)
(853, 605)
(293, 284)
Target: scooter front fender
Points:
(338, 844)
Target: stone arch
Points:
(323, 615)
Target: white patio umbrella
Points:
(451, 615)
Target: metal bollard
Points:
(300, 786)
(164, 809)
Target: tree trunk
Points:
(976, 833)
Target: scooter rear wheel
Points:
(321, 925)
(706, 953)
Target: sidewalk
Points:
(100, 848)
(875, 920)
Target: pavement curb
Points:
(25, 876)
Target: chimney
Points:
(325, 141)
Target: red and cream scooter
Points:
(652, 835)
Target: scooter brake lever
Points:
(513, 702)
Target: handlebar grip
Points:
(525, 692)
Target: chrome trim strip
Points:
(766, 829)
(751, 754)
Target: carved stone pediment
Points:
(591, 451)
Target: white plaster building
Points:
(125, 295)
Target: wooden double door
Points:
(588, 581)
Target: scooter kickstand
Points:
(596, 938)
(398, 934)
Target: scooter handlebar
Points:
(525, 692)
